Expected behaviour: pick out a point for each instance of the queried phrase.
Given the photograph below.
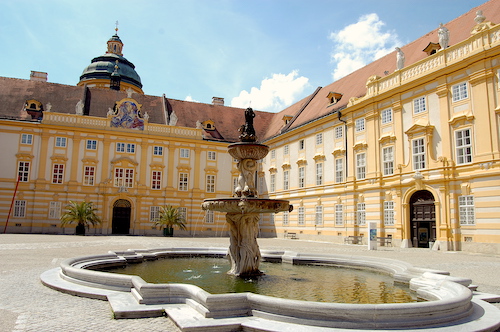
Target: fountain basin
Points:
(246, 205)
(248, 150)
(452, 303)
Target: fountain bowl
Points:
(248, 150)
(246, 205)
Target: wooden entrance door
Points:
(121, 217)
(423, 219)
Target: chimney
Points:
(38, 76)
(218, 101)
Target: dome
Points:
(103, 67)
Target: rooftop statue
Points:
(444, 36)
(400, 59)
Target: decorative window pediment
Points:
(24, 156)
(361, 145)
(461, 118)
(156, 166)
(319, 157)
(420, 128)
(387, 138)
(301, 162)
(338, 152)
(183, 168)
(286, 166)
(124, 161)
(90, 161)
(59, 159)
(211, 170)
(273, 170)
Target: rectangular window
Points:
(26, 139)
(361, 214)
(360, 125)
(418, 148)
(389, 213)
(19, 209)
(286, 180)
(466, 210)
(339, 132)
(158, 150)
(301, 144)
(464, 146)
(339, 215)
(459, 91)
(88, 175)
(302, 177)
(211, 155)
(210, 183)
(271, 218)
(120, 147)
(388, 160)
(273, 182)
(285, 218)
(91, 144)
(57, 173)
(419, 105)
(23, 171)
(301, 215)
(61, 142)
(339, 170)
(183, 211)
(156, 180)
(55, 210)
(273, 154)
(319, 174)
(318, 219)
(209, 217)
(184, 153)
(319, 139)
(286, 150)
(124, 177)
(361, 166)
(387, 116)
(183, 181)
(154, 213)
(130, 148)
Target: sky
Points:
(264, 54)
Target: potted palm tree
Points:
(83, 214)
(169, 217)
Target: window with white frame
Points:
(361, 214)
(286, 179)
(389, 213)
(339, 132)
(301, 216)
(318, 218)
(57, 173)
(54, 210)
(120, 147)
(130, 148)
(61, 142)
(27, 139)
(339, 170)
(361, 166)
(210, 183)
(466, 210)
(19, 209)
(302, 144)
(23, 171)
(286, 150)
(463, 143)
(273, 183)
(388, 160)
(285, 218)
(419, 105)
(91, 144)
(184, 153)
(418, 148)
(157, 150)
(319, 174)
(302, 177)
(211, 155)
(183, 213)
(156, 179)
(273, 154)
(209, 217)
(154, 214)
(360, 125)
(459, 91)
(339, 214)
(319, 139)
(386, 116)
(88, 175)
(183, 181)
(124, 177)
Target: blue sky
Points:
(264, 53)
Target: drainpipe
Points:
(345, 141)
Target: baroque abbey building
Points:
(411, 141)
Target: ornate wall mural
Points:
(127, 114)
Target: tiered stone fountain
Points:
(244, 208)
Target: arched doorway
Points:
(121, 217)
(422, 219)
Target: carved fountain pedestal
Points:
(244, 209)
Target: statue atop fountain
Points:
(244, 208)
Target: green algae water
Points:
(296, 282)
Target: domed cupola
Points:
(104, 69)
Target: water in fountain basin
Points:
(299, 282)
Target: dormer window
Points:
(334, 97)
(432, 48)
(287, 118)
(34, 108)
(208, 125)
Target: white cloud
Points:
(274, 94)
(361, 43)
(190, 98)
